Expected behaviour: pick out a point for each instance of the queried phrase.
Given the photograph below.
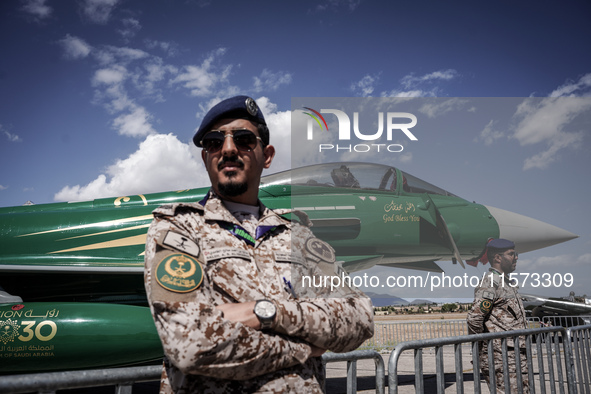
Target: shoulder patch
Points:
(320, 249)
(173, 209)
(486, 306)
(488, 295)
(179, 242)
(179, 273)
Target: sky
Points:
(101, 98)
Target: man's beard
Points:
(232, 188)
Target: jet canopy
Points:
(353, 175)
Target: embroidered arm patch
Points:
(486, 306)
(179, 273)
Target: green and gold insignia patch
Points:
(486, 306)
(179, 272)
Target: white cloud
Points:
(279, 123)
(37, 9)
(440, 107)
(131, 27)
(3, 187)
(574, 89)
(202, 80)
(110, 88)
(365, 86)
(109, 76)
(548, 121)
(135, 121)
(134, 124)
(98, 11)
(161, 163)
(11, 137)
(170, 48)
(122, 55)
(408, 93)
(147, 80)
(269, 81)
(74, 47)
(410, 80)
(489, 134)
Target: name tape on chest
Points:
(224, 253)
(288, 257)
(180, 242)
(179, 273)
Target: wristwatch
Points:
(265, 311)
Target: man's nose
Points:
(228, 147)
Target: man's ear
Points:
(269, 153)
(203, 157)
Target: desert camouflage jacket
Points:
(198, 256)
(497, 306)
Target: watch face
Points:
(265, 309)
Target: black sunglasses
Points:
(245, 140)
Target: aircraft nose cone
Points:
(527, 233)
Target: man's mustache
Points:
(235, 160)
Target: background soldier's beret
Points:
(495, 244)
(501, 243)
(238, 107)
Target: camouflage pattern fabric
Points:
(197, 257)
(498, 308)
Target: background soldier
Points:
(497, 307)
(221, 277)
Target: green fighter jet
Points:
(72, 273)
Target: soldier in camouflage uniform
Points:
(222, 277)
(497, 307)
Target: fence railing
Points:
(124, 378)
(563, 360)
(121, 378)
(351, 358)
(563, 365)
(579, 339)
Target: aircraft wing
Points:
(542, 306)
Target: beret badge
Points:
(251, 106)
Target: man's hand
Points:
(317, 351)
(241, 313)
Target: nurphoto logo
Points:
(396, 122)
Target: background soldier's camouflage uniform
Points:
(498, 308)
(206, 353)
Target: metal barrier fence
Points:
(563, 360)
(566, 321)
(351, 358)
(579, 339)
(563, 365)
(121, 378)
(124, 378)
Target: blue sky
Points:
(101, 97)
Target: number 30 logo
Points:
(29, 333)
